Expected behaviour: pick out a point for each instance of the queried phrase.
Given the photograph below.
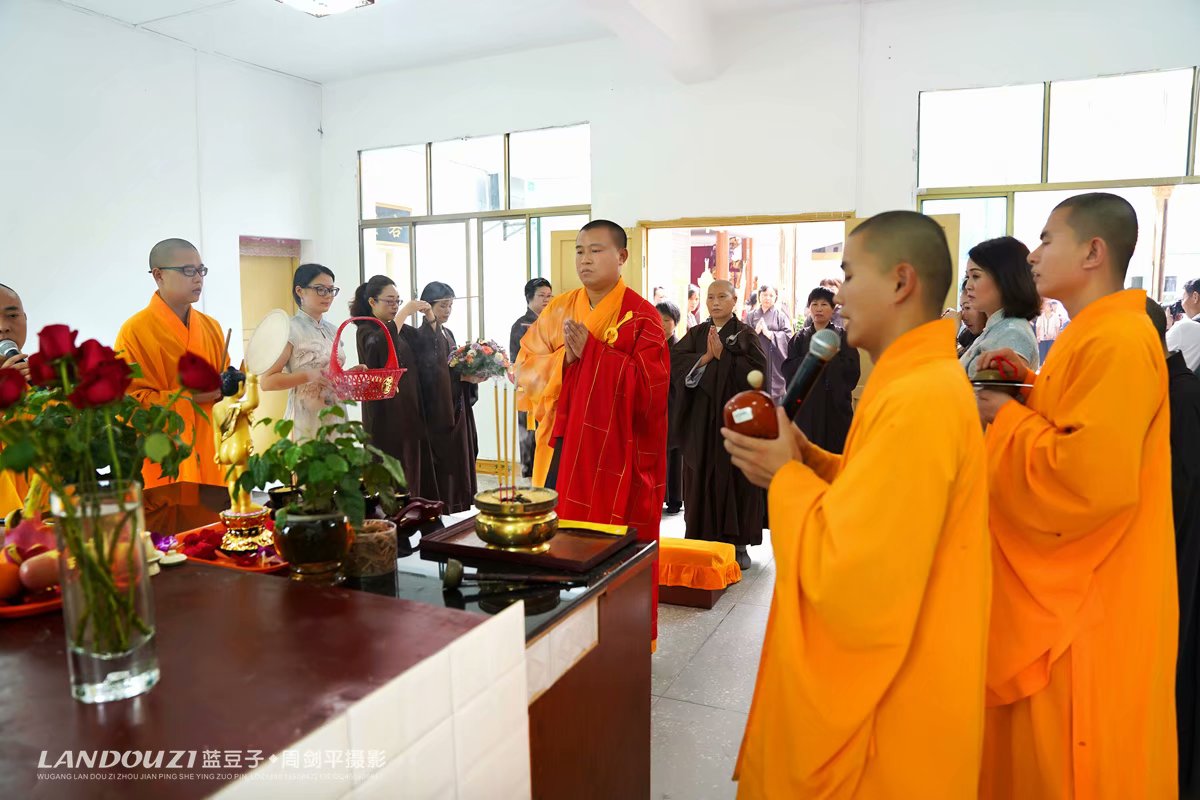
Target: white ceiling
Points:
(392, 34)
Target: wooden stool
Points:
(695, 573)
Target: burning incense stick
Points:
(505, 488)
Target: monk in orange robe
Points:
(156, 337)
(871, 678)
(594, 371)
(1084, 629)
(14, 327)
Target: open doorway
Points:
(791, 257)
(266, 267)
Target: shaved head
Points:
(726, 285)
(12, 316)
(161, 253)
(906, 237)
(1100, 215)
(1158, 318)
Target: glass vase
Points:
(108, 606)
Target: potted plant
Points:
(332, 474)
(82, 441)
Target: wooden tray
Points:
(30, 609)
(571, 550)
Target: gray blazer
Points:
(1002, 331)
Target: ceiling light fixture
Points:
(323, 8)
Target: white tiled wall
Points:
(553, 653)
(454, 727)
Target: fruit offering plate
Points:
(200, 545)
(29, 609)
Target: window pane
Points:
(504, 266)
(551, 167)
(386, 251)
(442, 256)
(393, 182)
(1032, 209)
(1182, 260)
(1130, 126)
(979, 219)
(467, 175)
(981, 137)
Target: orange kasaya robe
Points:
(154, 339)
(13, 490)
(872, 673)
(609, 408)
(1081, 660)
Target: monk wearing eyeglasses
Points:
(156, 337)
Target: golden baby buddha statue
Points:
(233, 416)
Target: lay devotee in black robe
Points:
(673, 502)
(709, 365)
(448, 398)
(826, 414)
(396, 425)
(774, 329)
(1184, 396)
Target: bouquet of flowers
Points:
(480, 360)
(82, 441)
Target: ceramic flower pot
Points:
(314, 545)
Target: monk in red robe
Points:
(1084, 627)
(595, 371)
(155, 338)
(871, 678)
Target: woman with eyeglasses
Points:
(397, 425)
(447, 397)
(303, 367)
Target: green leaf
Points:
(158, 447)
(352, 504)
(19, 456)
(283, 428)
(336, 465)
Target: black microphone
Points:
(8, 349)
(823, 347)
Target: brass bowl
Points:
(525, 524)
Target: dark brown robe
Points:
(397, 425)
(1185, 489)
(719, 503)
(827, 412)
(451, 422)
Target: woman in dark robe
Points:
(397, 425)
(826, 414)
(448, 398)
(709, 365)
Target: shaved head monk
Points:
(709, 365)
(1081, 656)
(595, 371)
(14, 328)
(156, 337)
(871, 679)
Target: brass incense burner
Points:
(520, 520)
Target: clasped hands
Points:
(575, 337)
(991, 401)
(715, 347)
(760, 459)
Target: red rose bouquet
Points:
(82, 440)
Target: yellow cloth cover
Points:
(594, 527)
(697, 564)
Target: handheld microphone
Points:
(823, 347)
(8, 349)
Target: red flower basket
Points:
(365, 384)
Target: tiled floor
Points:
(702, 682)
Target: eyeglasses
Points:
(388, 301)
(188, 272)
(325, 291)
